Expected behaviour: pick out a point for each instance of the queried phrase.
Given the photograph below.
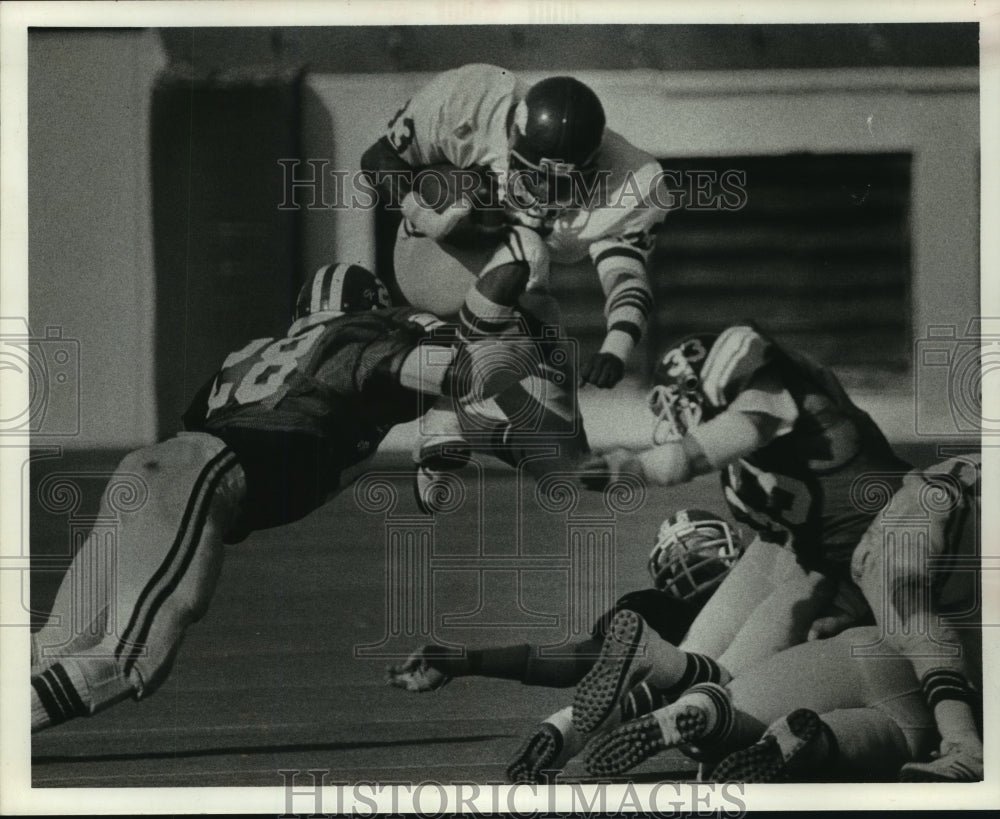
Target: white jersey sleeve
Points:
(459, 117)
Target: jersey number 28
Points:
(276, 360)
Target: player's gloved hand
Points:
(604, 370)
(428, 221)
(417, 673)
(597, 471)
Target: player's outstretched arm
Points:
(708, 447)
(430, 667)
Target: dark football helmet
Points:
(694, 551)
(341, 288)
(677, 399)
(556, 133)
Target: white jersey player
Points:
(571, 189)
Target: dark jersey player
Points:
(789, 444)
(273, 435)
(794, 452)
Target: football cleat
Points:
(633, 742)
(954, 763)
(418, 673)
(548, 748)
(794, 745)
(628, 657)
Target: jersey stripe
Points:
(200, 498)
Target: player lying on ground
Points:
(694, 551)
(568, 188)
(858, 709)
(276, 432)
(791, 446)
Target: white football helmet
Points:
(694, 551)
(676, 399)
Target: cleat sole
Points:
(600, 689)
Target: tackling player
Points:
(790, 445)
(274, 434)
(570, 189)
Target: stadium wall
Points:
(90, 231)
(931, 114)
(90, 234)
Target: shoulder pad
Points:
(736, 356)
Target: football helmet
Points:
(556, 132)
(694, 551)
(677, 399)
(341, 288)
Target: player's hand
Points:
(428, 221)
(416, 673)
(597, 471)
(825, 627)
(848, 608)
(604, 370)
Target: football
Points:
(440, 186)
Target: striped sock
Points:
(714, 700)
(58, 694)
(943, 684)
(698, 669)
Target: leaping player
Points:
(571, 188)
(279, 429)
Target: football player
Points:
(810, 713)
(902, 585)
(790, 445)
(693, 552)
(570, 189)
(279, 429)
(858, 712)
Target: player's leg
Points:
(805, 746)
(750, 583)
(556, 740)
(781, 621)
(167, 558)
(631, 654)
(891, 566)
(820, 676)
